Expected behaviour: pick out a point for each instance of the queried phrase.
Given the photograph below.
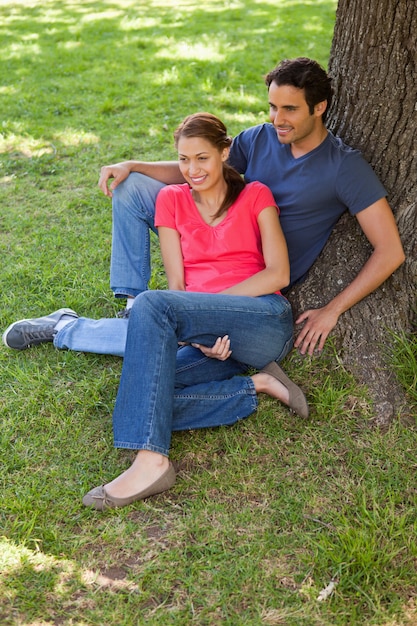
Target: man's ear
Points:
(320, 108)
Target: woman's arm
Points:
(276, 274)
(169, 241)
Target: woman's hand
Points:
(221, 349)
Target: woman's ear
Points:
(225, 154)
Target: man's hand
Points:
(118, 171)
(318, 323)
(221, 349)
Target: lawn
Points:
(264, 514)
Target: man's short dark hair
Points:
(303, 73)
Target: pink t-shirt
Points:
(216, 257)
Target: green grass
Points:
(264, 514)
(404, 361)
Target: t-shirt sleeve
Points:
(238, 153)
(264, 198)
(357, 184)
(165, 208)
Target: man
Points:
(314, 178)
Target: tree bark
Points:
(373, 66)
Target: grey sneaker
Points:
(26, 333)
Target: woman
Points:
(226, 260)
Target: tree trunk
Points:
(373, 65)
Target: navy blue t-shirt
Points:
(311, 191)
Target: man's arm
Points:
(378, 224)
(166, 172)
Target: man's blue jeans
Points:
(103, 336)
(163, 388)
(133, 218)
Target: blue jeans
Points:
(133, 218)
(130, 268)
(104, 336)
(163, 388)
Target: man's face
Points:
(290, 114)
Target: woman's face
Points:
(201, 163)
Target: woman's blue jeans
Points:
(163, 388)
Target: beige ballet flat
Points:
(99, 499)
(297, 400)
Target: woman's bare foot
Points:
(147, 467)
(265, 383)
(278, 385)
